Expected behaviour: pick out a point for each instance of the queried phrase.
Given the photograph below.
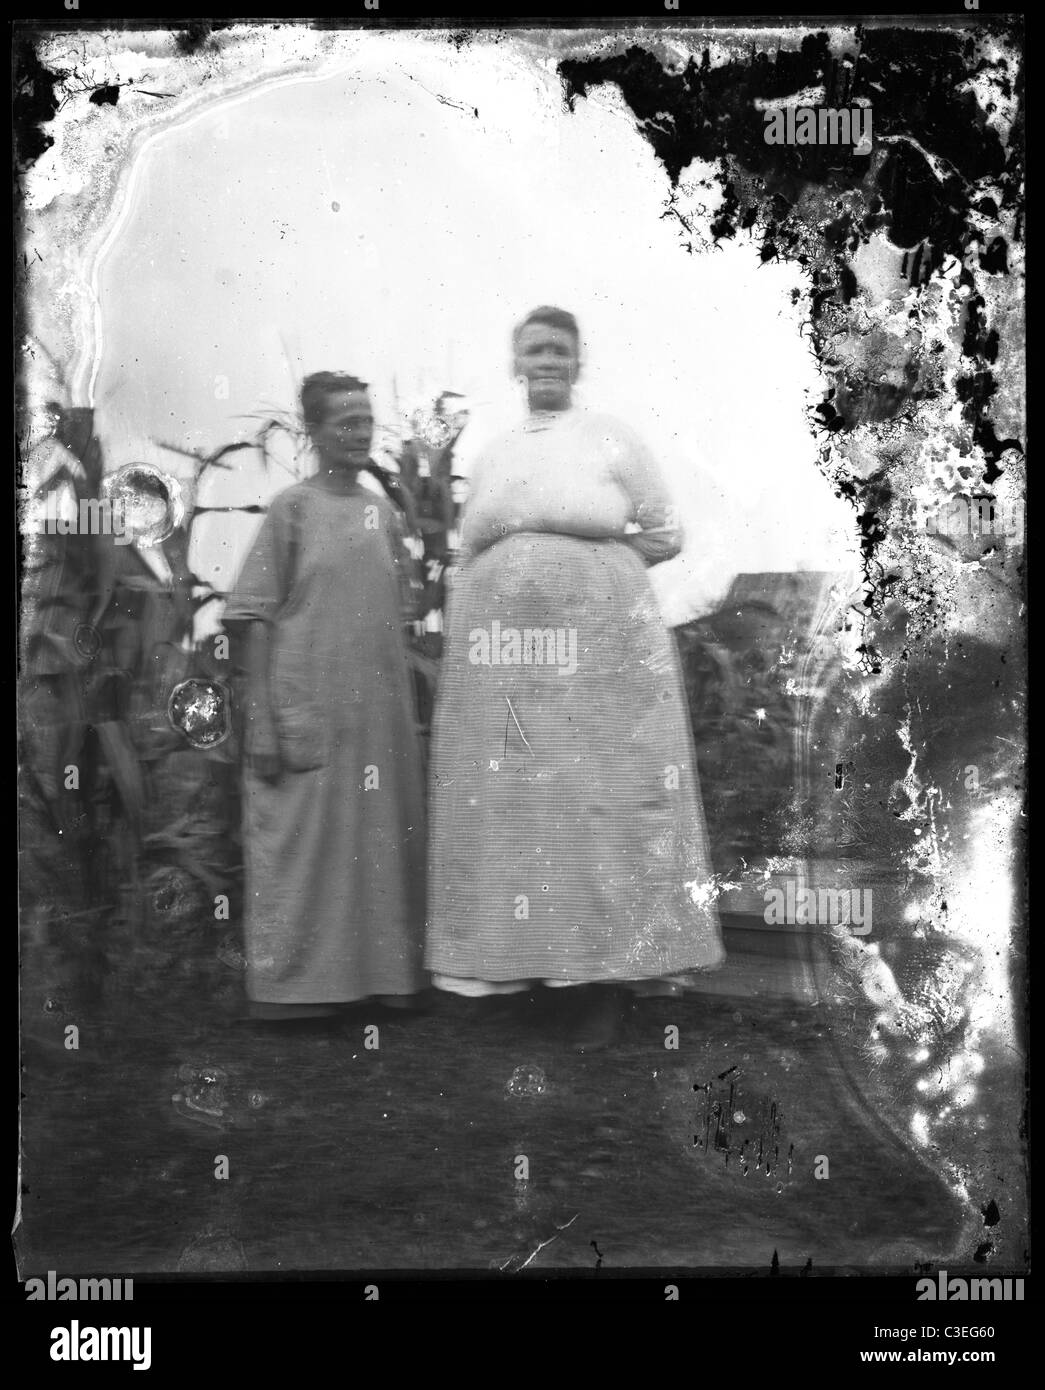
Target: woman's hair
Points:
(554, 318)
(316, 388)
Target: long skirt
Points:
(567, 835)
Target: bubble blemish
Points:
(148, 501)
(200, 710)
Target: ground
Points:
(342, 1156)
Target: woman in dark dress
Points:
(333, 823)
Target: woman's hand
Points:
(655, 532)
(655, 545)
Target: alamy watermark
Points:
(80, 1290)
(94, 516)
(139, 505)
(811, 907)
(957, 1288)
(964, 516)
(818, 125)
(76, 1343)
(528, 646)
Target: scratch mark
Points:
(540, 1247)
(519, 727)
(446, 101)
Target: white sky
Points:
(227, 257)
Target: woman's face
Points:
(548, 360)
(344, 437)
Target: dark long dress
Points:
(334, 849)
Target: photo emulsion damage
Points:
(521, 652)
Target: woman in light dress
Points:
(568, 844)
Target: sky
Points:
(394, 217)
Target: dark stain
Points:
(195, 36)
(726, 1115)
(991, 1214)
(911, 78)
(932, 144)
(995, 259)
(33, 105)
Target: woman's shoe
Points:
(419, 1003)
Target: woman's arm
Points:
(252, 609)
(659, 536)
(469, 542)
(260, 738)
